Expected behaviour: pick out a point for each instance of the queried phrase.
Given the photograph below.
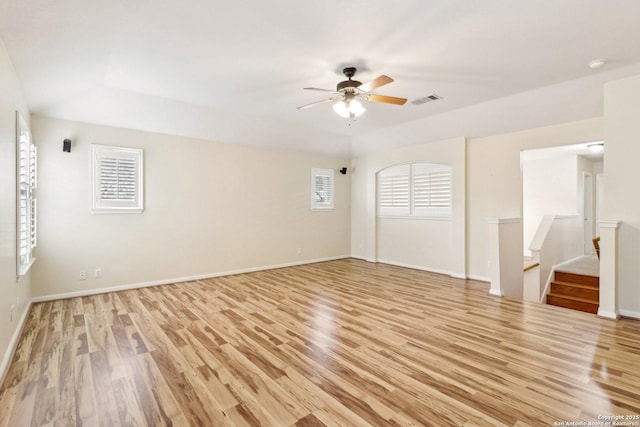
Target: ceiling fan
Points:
(349, 93)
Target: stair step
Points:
(572, 302)
(562, 276)
(586, 292)
(577, 285)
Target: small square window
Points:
(321, 188)
(117, 179)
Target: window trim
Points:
(25, 230)
(101, 206)
(320, 206)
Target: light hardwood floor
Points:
(344, 343)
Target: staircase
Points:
(575, 291)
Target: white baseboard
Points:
(431, 270)
(423, 268)
(496, 292)
(547, 285)
(479, 278)
(608, 314)
(415, 267)
(630, 314)
(117, 288)
(13, 343)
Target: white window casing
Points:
(117, 174)
(322, 189)
(26, 179)
(415, 190)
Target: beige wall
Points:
(621, 178)
(12, 292)
(209, 208)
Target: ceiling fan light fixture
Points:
(356, 108)
(347, 109)
(341, 109)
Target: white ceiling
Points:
(234, 71)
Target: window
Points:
(117, 179)
(415, 190)
(27, 158)
(431, 189)
(321, 188)
(393, 191)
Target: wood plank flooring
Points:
(341, 343)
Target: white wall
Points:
(359, 189)
(621, 178)
(548, 187)
(494, 180)
(558, 239)
(430, 244)
(12, 292)
(587, 167)
(421, 243)
(493, 184)
(209, 208)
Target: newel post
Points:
(609, 269)
(505, 257)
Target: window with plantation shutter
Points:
(322, 187)
(117, 179)
(26, 167)
(431, 189)
(393, 191)
(414, 190)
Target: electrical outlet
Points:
(299, 251)
(11, 313)
(83, 275)
(98, 273)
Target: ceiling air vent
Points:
(426, 99)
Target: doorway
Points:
(587, 212)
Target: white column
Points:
(609, 269)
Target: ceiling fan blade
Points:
(321, 90)
(386, 99)
(375, 83)
(302, 107)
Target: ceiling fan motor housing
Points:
(348, 84)
(348, 72)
